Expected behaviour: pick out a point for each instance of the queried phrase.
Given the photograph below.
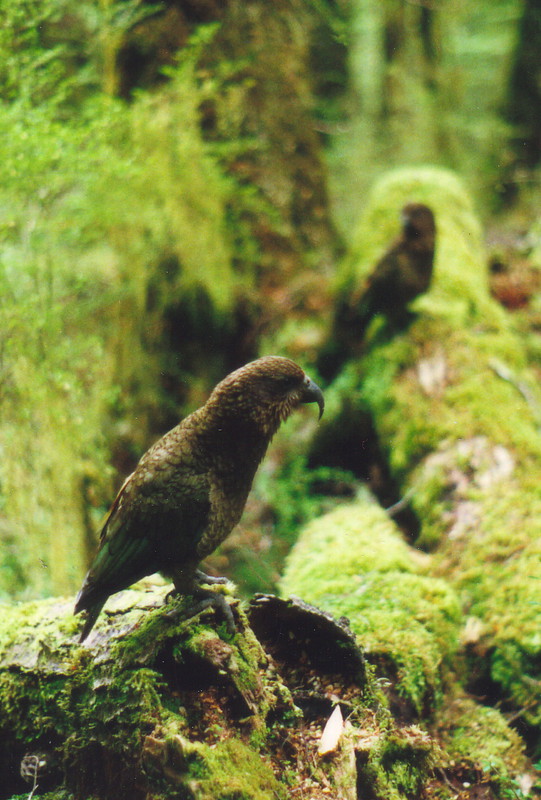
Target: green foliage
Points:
(33, 68)
(107, 216)
(58, 52)
(297, 494)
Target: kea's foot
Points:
(203, 599)
(211, 580)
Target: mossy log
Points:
(354, 561)
(154, 706)
(457, 412)
(157, 706)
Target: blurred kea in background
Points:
(403, 273)
(189, 490)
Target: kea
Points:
(401, 274)
(189, 490)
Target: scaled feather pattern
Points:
(189, 490)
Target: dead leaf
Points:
(432, 374)
(331, 733)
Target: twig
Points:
(446, 780)
(503, 372)
(35, 765)
(520, 713)
(401, 504)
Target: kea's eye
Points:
(282, 384)
(291, 382)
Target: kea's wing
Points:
(148, 525)
(388, 270)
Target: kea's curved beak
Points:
(311, 393)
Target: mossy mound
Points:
(478, 737)
(349, 541)
(353, 562)
(232, 769)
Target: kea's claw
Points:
(171, 595)
(203, 599)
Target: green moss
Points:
(232, 771)
(488, 547)
(119, 692)
(396, 765)
(68, 695)
(480, 738)
(347, 542)
(500, 578)
(353, 562)
(470, 400)
(71, 705)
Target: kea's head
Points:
(418, 221)
(265, 391)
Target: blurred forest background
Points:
(179, 184)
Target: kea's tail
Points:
(92, 614)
